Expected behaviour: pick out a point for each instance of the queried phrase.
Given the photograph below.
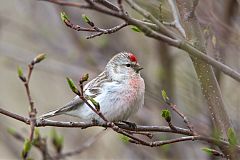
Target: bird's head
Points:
(123, 65)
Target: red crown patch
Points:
(132, 57)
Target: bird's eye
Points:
(128, 65)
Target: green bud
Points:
(166, 115)
(124, 139)
(214, 152)
(135, 29)
(20, 74)
(95, 103)
(36, 133)
(164, 95)
(207, 150)
(39, 58)
(232, 138)
(72, 86)
(84, 78)
(26, 148)
(87, 20)
(64, 16)
(59, 143)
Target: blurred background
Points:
(29, 27)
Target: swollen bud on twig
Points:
(64, 17)
(37, 138)
(211, 152)
(166, 115)
(164, 96)
(87, 20)
(20, 74)
(39, 58)
(95, 103)
(72, 86)
(135, 29)
(84, 78)
(124, 139)
(36, 133)
(26, 148)
(232, 138)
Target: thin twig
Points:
(70, 4)
(176, 23)
(94, 28)
(154, 20)
(108, 31)
(108, 5)
(147, 134)
(171, 125)
(120, 6)
(185, 119)
(15, 116)
(214, 152)
(33, 111)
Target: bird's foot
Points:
(95, 122)
(130, 124)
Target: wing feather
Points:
(93, 89)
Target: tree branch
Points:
(179, 43)
(139, 128)
(176, 23)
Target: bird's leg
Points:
(95, 122)
(130, 124)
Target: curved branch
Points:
(15, 116)
(148, 31)
(176, 21)
(83, 125)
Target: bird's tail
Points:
(49, 114)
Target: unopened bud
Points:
(64, 16)
(20, 74)
(87, 20)
(165, 96)
(84, 78)
(26, 148)
(135, 29)
(39, 58)
(95, 103)
(72, 86)
(166, 115)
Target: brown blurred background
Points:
(29, 27)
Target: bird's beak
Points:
(137, 67)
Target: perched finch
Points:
(119, 90)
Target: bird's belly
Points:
(120, 102)
(117, 103)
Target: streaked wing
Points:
(93, 89)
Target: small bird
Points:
(119, 90)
